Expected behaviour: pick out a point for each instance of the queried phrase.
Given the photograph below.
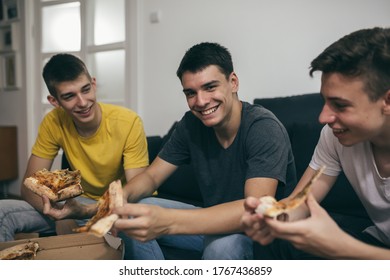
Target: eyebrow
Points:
(211, 83)
(71, 92)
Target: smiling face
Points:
(210, 96)
(350, 113)
(78, 99)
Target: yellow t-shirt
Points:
(118, 144)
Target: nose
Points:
(327, 115)
(81, 100)
(202, 99)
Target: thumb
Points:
(314, 207)
(251, 203)
(46, 204)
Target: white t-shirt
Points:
(359, 167)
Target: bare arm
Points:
(144, 182)
(222, 218)
(150, 221)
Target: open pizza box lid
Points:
(79, 246)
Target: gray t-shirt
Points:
(261, 149)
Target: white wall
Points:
(272, 43)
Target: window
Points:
(94, 30)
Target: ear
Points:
(234, 82)
(93, 81)
(386, 103)
(53, 101)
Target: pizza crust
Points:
(41, 190)
(271, 208)
(102, 222)
(67, 192)
(102, 226)
(25, 251)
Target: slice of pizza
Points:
(24, 251)
(104, 219)
(57, 185)
(271, 208)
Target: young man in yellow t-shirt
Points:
(105, 142)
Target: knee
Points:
(229, 247)
(10, 211)
(7, 207)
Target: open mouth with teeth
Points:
(84, 112)
(208, 111)
(339, 131)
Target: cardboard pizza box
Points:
(79, 246)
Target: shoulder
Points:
(256, 112)
(255, 115)
(56, 117)
(110, 111)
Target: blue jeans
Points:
(214, 247)
(19, 216)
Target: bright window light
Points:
(61, 28)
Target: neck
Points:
(228, 131)
(88, 129)
(381, 151)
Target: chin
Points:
(349, 142)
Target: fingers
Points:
(251, 203)
(314, 207)
(138, 228)
(46, 205)
(139, 215)
(255, 227)
(133, 210)
(282, 229)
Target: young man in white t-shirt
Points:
(355, 85)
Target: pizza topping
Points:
(26, 251)
(58, 179)
(56, 185)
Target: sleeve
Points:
(47, 144)
(135, 153)
(268, 150)
(176, 150)
(326, 153)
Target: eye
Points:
(339, 106)
(189, 93)
(67, 97)
(86, 89)
(210, 87)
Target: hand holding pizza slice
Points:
(271, 208)
(104, 219)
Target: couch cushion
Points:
(154, 146)
(303, 138)
(303, 108)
